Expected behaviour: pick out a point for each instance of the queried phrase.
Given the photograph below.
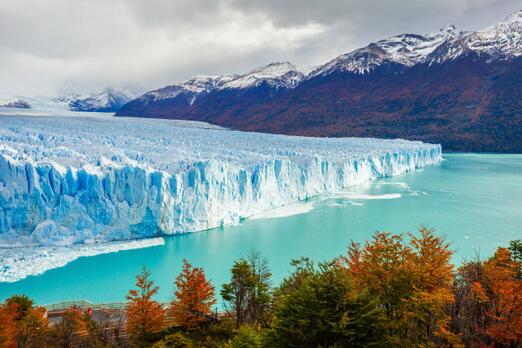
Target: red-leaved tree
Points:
(194, 297)
(144, 315)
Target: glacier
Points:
(82, 184)
(69, 180)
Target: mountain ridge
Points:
(424, 83)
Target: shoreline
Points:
(20, 263)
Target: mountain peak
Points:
(277, 66)
(206, 83)
(402, 49)
(272, 70)
(277, 74)
(190, 89)
(109, 100)
(109, 90)
(450, 28)
(501, 40)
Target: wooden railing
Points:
(84, 304)
(58, 309)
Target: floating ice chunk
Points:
(287, 210)
(366, 196)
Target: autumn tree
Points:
(412, 282)
(32, 329)
(194, 297)
(144, 315)
(21, 303)
(7, 326)
(488, 301)
(432, 293)
(22, 324)
(506, 297)
(469, 309)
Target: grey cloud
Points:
(95, 43)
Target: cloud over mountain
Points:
(93, 44)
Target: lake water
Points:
(475, 201)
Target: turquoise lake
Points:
(474, 201)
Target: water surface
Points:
(475, 201)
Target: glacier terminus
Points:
(67, 180)
(89, 179)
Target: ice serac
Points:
(72, 180)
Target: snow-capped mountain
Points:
(404, 49)
(503, 39)
(186, 92)
(109, 100)
(458, 88)
(191, 88)
(277, 75)
(500, 41)
(254, 86)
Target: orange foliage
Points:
(76, 319)
(144, 315)
(7, 326)
(21, 326)
(194, 297)
(412, 281)
(488, 306)
(506, 298)
(31, 329)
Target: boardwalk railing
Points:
(116, 309)
(84, 304)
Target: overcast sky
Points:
(90, 44)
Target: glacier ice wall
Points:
(66, 180)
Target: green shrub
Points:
(176, 340)
(246, 337)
